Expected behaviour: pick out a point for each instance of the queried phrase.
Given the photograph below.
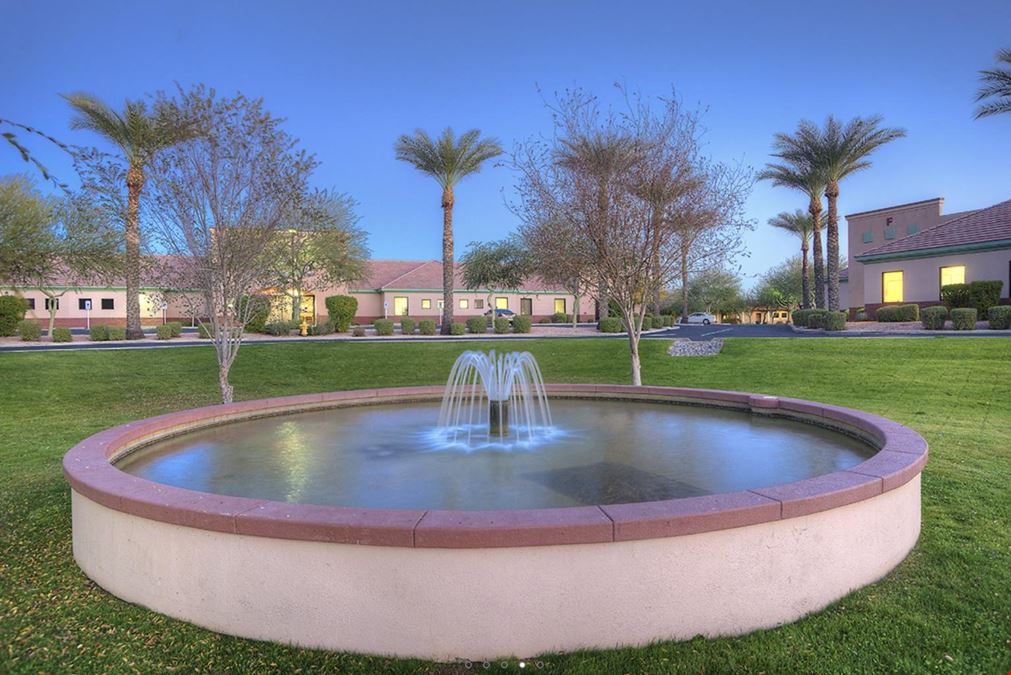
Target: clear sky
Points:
(351, 77)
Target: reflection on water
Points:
(603, 452)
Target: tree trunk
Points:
(447, 260)
(633, 350)
(805, 282)
(226, 388)
(819, 266)
(52, 318)
(296, 306)
(575, 309)
(832, 192)
(134, 184)
(684, 285)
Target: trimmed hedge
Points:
(999, 317)
(560, 317)
(383, 326)
(259, 312)
(835, 320)
(893, 313)
(342, 310)
(407, 326)
(963, 318)
(277, 328)
(457, 328)
(477, 324)
(955, 295)
(611, 324)
(177, 328)
(325, 328)
(501, 325)
(29, 330)
(117, 332)
(800, 316)
(816, 318)
(12, 310)
(647, 323)
(426, 327)
(980, 295)
(98, 332)
(62, 335)
(521, 324)
(933, 318)
(163, 332)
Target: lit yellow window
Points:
(501, 303)
(465, 304)
(952, 275)
(426, 303)
(891, 287)
(559, 305)
(400, 306)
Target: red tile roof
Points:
(425, 275)
(975, 227)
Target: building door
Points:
(526, 306)
(307, 305)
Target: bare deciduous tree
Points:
(219, 201)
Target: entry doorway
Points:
(307, 305)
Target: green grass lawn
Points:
(946, 608)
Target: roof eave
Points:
(936, 251)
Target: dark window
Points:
(478, 304)
(52, 303)
(912, 228)
(31, 303)
(82, 303)
(108, 303)
(526, 306)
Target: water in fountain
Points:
(495, 399)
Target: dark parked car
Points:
(507, 313)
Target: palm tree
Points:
(996, 85)
(798, 223)
(804, 178)
(836, 151)
(448, 160)
(139, 135)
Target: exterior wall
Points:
(921, 214)
(921, 277)
(70, 315)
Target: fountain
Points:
(491, 397)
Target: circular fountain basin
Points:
(337, 521)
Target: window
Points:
(889, 233)
(52, 303)
(868, 237)
(464, 303)
(526, 306)
(912, 228)
(108, 303)
(952, 275)
(84, 303)
(559, 305)
(501, 303)
(442, 303)
(479, 304)
(31, 303)
(400, 306)
(891, 287)
(426, 303)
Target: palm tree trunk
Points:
(805, 273)
(819, 265)
(832, 192)
(447, 260)
(134, 184)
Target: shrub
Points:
(98, 332)
(117, 332)
(204, 331)
(259, 312)
(611, 324)
(501, 325)
(342, 310)
(29, 330)
(163, 332)
(457, 328)
(358, 331)
(426, 327)
(835, 320)
(12, 310)
(955, 295)
(177, 328)
(800, 316)
(999, 317)
(667, 320)
(963, 318)
(62, 335)
(561, 317)
(933, 318)
(647, 323)
(863, 316)
(407, 326)
(893, 313)
(816, 318)
(324, 328)
(383, 326)
(277, 328)
(983, 295)
(521, 324)
(477, 324)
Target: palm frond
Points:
(448, 159)
(996, 84)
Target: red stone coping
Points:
(88, 467)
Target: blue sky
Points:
(351, 77)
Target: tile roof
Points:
(425, 275)
(991, 224)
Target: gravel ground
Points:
(683, 347)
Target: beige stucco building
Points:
(905, 253)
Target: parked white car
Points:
(700, 317)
